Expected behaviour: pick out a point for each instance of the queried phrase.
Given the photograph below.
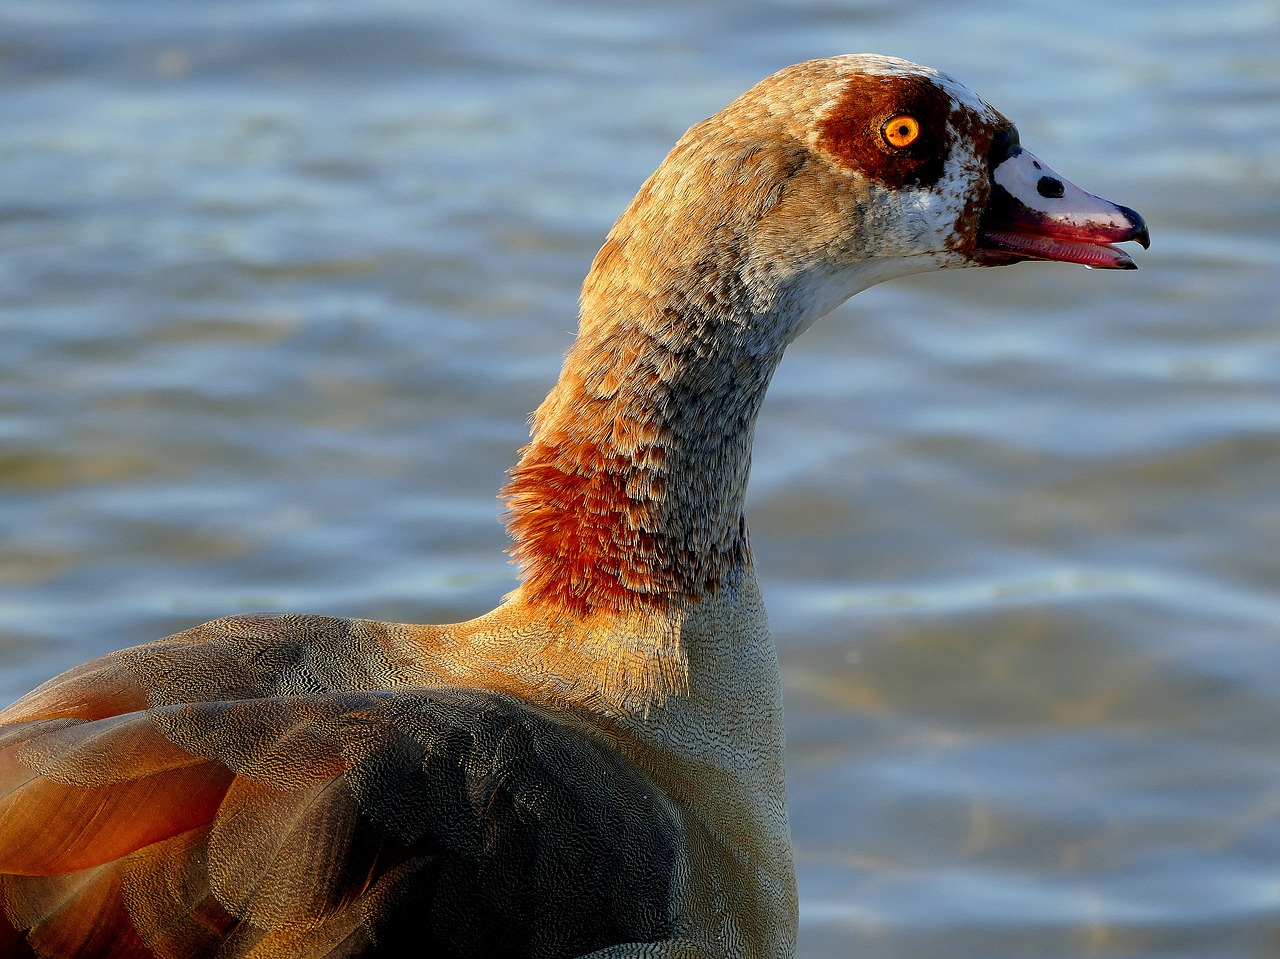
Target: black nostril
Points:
(1051, 188)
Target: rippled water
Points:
(281, 282)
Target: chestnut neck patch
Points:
(852, 130)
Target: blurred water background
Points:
(281, 281)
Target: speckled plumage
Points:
(595, 766)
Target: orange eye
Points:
(901, 131)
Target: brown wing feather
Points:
(87, 793)
(75, 914)
(254, 810)
(96, 689)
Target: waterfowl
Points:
(595, 767)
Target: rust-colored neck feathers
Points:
(629, 498)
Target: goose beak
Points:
(1035, 214)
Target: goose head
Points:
(835, 174)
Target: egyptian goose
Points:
(594, 767)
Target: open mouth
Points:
(1066, 245)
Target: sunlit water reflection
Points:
(281, 283)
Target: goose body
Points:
(595, 767)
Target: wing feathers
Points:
(319, 825)
(79, 915)
(98, 688)
(82, 795)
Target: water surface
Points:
(281, 283)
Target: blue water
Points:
(281, 282)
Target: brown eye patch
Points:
(858, 133)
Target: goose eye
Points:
(900, 131)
